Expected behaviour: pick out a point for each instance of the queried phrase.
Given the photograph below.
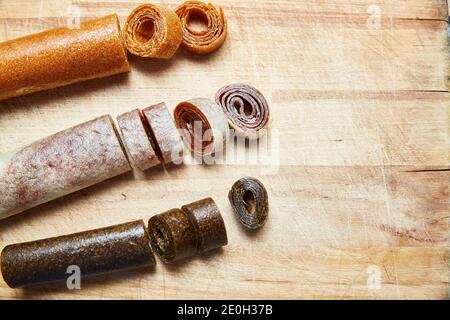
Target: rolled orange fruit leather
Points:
(153, 32)
(62, 56)
(212, 37)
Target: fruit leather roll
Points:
(246, 108)
(62, 56)
(164, 133)
(97, 251)
(137, 141)
(208, 39)
(172, 235)
(196, 228)
(60, 164)
(152, 32)
(208, 223)
(203, 125)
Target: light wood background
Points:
(362, 116)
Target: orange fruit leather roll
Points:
(62, 56)
(152, 32)
(206, 40)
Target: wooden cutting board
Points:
(359, 96)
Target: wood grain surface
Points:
(361, 109)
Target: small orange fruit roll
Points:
(211, 35)
(152, 32)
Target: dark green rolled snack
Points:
(208, 223)
(97, 251)
(250, 202)
(172, 235)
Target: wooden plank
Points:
(333, 54)
(383, 205)
(327, 226)
(360, 120)
(426, 9)
(328, 273)
(369, 128)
